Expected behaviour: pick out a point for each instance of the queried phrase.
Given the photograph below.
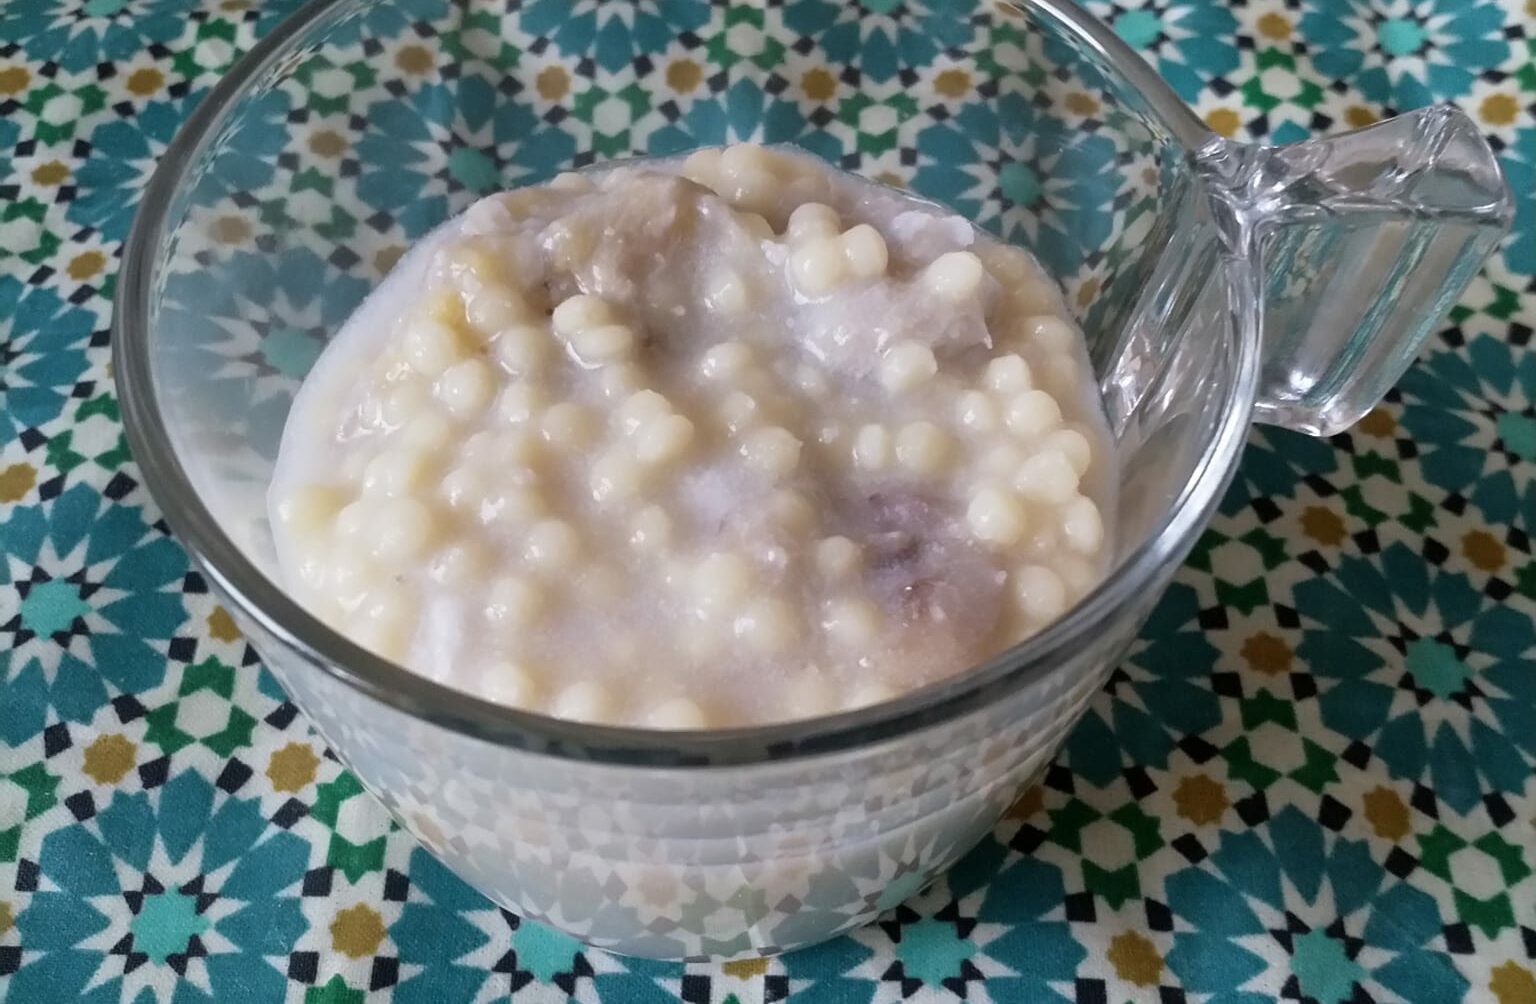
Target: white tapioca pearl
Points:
(726, 361)
(663, 440)
(521, 348)
(749, 177)
(615, 477)
(773, 451)
(873, 448)
(1079, 574)
(923, 447)
(955, 275)
(1051, 334)
(739, 410)
(457, 565)
(907, 365)
(768, 625)
(996, 516)
(1008, 375)
(490, 214)
(618, 380)
(678, 713)
(864, 251)
(1047, 477)
(703, 167)
(403, 530)
(552, 545)
(571, 181)
(1062, 372)
(493, 308)
(432, 346)
(867, 693)
(466, 388)
(514, 602)
(348, 573)
(1082, 526)
(403, 401)
(1073, 445)
(813, 220)
(581, 312)
(721, 580)
(512, 506)
(519, 403)
(810, 693)
(641, 409)
(817, 266)
(384, 622)
(651, 529)
(837, 557)
(567, 425)
(355, 520)
(702, 639)
(311, 509)
(757, 225)
(509, 683)
(811, 381)
(402, 470)
(569, 244)
(1040, 594)
(791, 511)
(977, 412)
(585, 701)
(1001, 461)
(729, 293)
(1032, 414)
(503, 451)
(601, 584)
(851, 623)
(428, 431)
(607, 343)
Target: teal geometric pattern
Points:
(1313, 779)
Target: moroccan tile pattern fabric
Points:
(1311, 781)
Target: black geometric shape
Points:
(1333, 813)
(317, 882)
(396, 886)
(1189, 846)
(1286, 617)
(26, 875)
(128, 708)
(1303, 686)
(153, 773)
(1357, 754)
(1213, 618)
(1197, 749)
(1498, 809)
(182, 649)
(1059, 778)
(695, 989)
(1424, 800)
(233, 776)
(282, 716)
(10, 959)
(385, 972)
(1227, 684)
(1139, 782)
(1254, 809)
(81, 805)
(1079, 907)
(1092, 992)
(290, 812)
(1400, 863)
(1458, 939)
(1159, 917)
(56, 739)
(304, 967)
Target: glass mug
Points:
(1217, 283)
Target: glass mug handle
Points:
(1362, 242)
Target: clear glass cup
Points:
(1217, 283)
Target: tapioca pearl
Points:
(552, 545)
(520, 403)
(571, 181)
(722, 579)
(585, 701)
(1040, 594)
(768, 625)
(923, 448)
(428, 431)
(729, 293)
(521, 348)
(616, 477)
(1079, 574)
(567, 425)
(813, 221)
(651, 530)
(1050, 334)
(569, 244)
(384, 621)
(954, 276)
(601, 584)
(348, 573)
(702, 167)
(677, 714)
(817, 266)
(641, 409)
(791, 511)
(811, 381)
(356, 518)
(402, 401)
(401, 470)
(310, 510)
(864, 251)
(618, 380)
(837, 558)
(851, 624)
(1082, 527)
(491, 214)
(867, 693)
(581, 312)
(1073, 445)
(1042, 543)
(465, 489)
(1047, 477)
(757, 225)
(701, 639)
(404, 529)
(505, 452)
(749, 177)
(873, 448)
(726, 362)
(1000, 461)
(739, 411)
(608, 343)
(977, 412)
(809, 693)
(509, 683)
(457, 566)
(1032, 414)
(493, 308)
(432, 346)
(512, 506)
(907, 365)
(996, 516)
(663, 440)
(1008, 375)
(1062, 373)
(773, 451)
(466, 388)
(514, 602)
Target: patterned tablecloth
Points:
(1311, 781)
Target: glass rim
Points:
(328, 651)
